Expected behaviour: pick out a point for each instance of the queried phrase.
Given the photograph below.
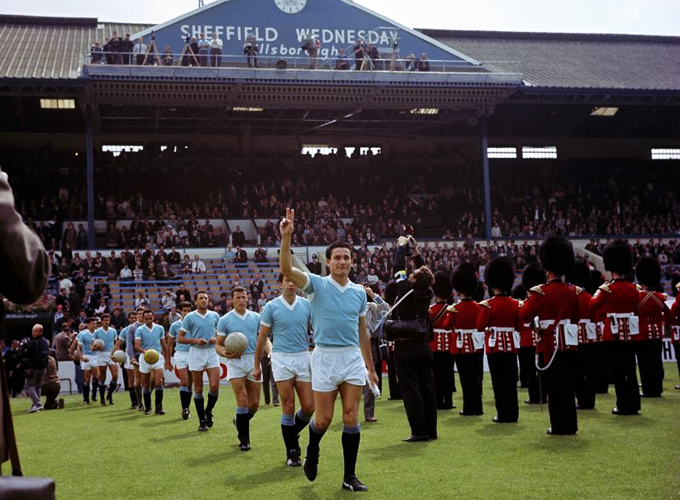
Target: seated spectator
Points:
(102, 308)
(174, 257)
(241, 256)
(163, 271)
(314, 266)
(185, 266)
(118, 319)
(168, 301)
(138, 274)
(197, 266)
(238, 237)
(260, 254)
(142, 300)
(126, 273)
(229, 255)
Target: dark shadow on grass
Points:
(397, 450)
(492, 429)
(174, 437)
(228, 452)
(274, 476)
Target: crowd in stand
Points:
(440, 202)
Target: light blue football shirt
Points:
(196, 326)
(108, 336)
(174, 333)
(248, 325)
(289, 324)
(335, 310)
(150, 337)
(85, 339)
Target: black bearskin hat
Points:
(441, 286)
(500, 274)
(648, 272)
(464, 278)
(618, 257)
(580, 273)
(519, 292)
(556, 255)
(533, 275)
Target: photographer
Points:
(167, 57)
(412, 351)
(312, 47)
(250, 49)
(97, 54)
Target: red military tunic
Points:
(555, 300)
(462, 319)
(500, 320)
(443, 338)
(587, 328)
(619, 299)
(653, 313)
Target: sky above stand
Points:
(649, 17)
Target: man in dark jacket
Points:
(34, 363)
(413, 353)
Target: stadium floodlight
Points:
(57, 104)
(665, 153)
(247, 110)
(603, 111)
(507, 153)
(539, 153)
(425, 111)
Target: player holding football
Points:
(240, 366)
(104, 359)
(341, 361)
(198, 332)
(151, 336)
(135, 399)
(181, 360)
(287, 317)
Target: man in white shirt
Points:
(197, 266)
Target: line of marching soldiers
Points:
(569, 343)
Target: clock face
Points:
(291, 6)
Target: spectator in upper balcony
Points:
(410, 63)
(70, 236)
(167, 57)
(424, 63)
(174, 257)
(203, 50)
(197, 266)
(126, 46)
(97, 54)
(125, 273)
(238, 238)
(139, 53)
(342, 62)
(216, 51)
(185, 266)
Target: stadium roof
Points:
(563, 60)
(53, 48)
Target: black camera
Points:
(187, 39)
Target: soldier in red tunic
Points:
(675, 314)
(653, 313)
(619, 297)
(585, 369)
(533, 275)
(442, 344)
(501, 322)
(469, 341)
(555, 304)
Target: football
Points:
(151, 356)
(119, 356)
(98, 344)
(76, 356)
(235, 342)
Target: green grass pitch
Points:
(115, 453)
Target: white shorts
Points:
(181, 360)
(104, 358)
(92, 361)
(128, 365)
(145, 367)
(296, 365)
(203, 359)
(332, 366)
(241, 368)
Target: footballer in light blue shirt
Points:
(181, 359)
(151, 336)
(108, 335)
(240, 366)
(287, 318)
(88, 357)
(341, 361)
(198, 332)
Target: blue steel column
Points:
(485, 171)
(90, 176)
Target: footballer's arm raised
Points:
(285, 261)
